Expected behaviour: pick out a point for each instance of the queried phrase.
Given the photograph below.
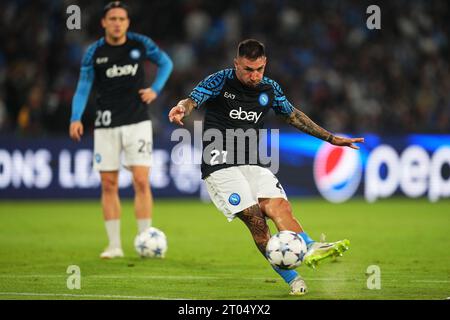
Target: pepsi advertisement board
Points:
(412, 166)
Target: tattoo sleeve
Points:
(188, 105)
(255, 221)
(302, 122)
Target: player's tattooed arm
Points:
(302, 122)
(255, 221)
(188, 105)
(181, 110)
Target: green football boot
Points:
(322, 250)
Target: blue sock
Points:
(307, 239)
(287, 275)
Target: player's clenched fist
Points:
(176, 114)
(76, 130)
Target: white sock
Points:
(144, 224)
(113, 231)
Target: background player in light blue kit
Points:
(122, 123)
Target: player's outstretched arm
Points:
(302, 122)
(181, 110)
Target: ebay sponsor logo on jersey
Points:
(119, 71)
(240, 114)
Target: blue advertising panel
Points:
(59, 168)
(411, 165)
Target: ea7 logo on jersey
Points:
(240, 114)
(101, 60)
(229, 95)
(119, 71)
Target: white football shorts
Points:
(236, 188)
(135, 140)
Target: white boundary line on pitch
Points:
(111, 276)
(161, 277)
(431, 281)
(218, 277)
(72, 295)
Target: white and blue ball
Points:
(151, 243)
(286, 250)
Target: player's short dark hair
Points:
(251, 49)
(115, 4)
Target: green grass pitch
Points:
(209, 258)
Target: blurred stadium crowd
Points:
(346, 77)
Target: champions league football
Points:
(286, 250)
(152, 243)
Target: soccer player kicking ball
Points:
(122, 121)
(240, 98)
